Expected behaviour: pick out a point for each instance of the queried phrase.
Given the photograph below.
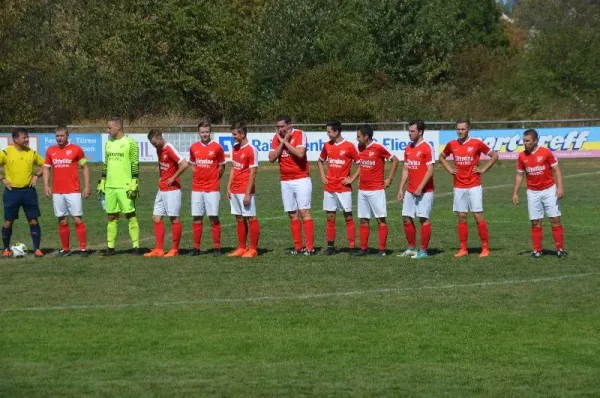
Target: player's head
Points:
(463, 126)
(114, 127)
(20, 137)
(416, 129)
(239, 132)
(204, 131)
(61, 133)
(530, 140)
(364, 135)
(156, 138)
(334, 130)
(284, 124)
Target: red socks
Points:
(296, 227)
(81, 231)
(64, 233)
(242, 233)
(330, 231)
(309, 234)
(159, 234)
(411, 234)
(536, 237)
(483, 234)
(383, 234)
(463, 234)
(216, 235)
(197, 233)
(351, 233)
(176, 231)
(425, 235)
(254, 234)
(559, 236)
(365, 231)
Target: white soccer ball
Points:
(18, 250)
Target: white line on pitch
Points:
(217, 300)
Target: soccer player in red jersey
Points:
(371, 187)
(240, 191)
(208, 160)
(468, 194)
(64, 160)
(544, 191)
(168, 198)
(339, 155)
(289, 148)
(418, 199)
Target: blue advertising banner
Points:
(90, 143)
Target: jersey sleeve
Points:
(2, 156)
(552, 160)
(174, 154)
(38, 159)
(323, 155)
(274, 142)
(520, 164)
(428, 156)
(134, 158)
(48, 161)
(81, 159)
(104, 167)
(448, 149)
(483, 148)
(384, 153)
(192, 157)
(220, 156)
(302, 140)
(252, 157)
(354, 154)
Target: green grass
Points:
(507, 325)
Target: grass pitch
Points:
(506, 325)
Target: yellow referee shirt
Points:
(18, 165)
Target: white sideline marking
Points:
(218, 300)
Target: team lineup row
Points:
(119, 187)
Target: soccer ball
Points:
(18, 250)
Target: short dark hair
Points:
(463, 120)
(17, 131)
(286, 118)
(366, 129)
(531, 132)
(240, 126)
(154, 133)
(335, 125)
(419, 123)
(204, 123)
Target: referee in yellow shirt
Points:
(19, 179)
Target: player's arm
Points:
(322, 171)
(86, 177)
(445, 163)
(559, 181)
(493, 159)
(388, 181)
(3, 176)
(181, 167)
(251, 179)
(229, 182)
(39, 171)
(275, 151)
(426, 179)
(134, 157)
(298, 151)
(46, 173)
(403, 180)
(221, 160)
(353, 177)
(518, 182)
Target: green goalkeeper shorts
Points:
(118, 202)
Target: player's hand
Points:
(33, 181)
(560, 193)
(400, 195)
(246, 200)
(229, 194)
(170, 181)
(134, 190)
(387, 183)
(7, 184)
(47, 191)
(347, 181)
(515, 199)
(452, 171)
(86, 192)
(287, 137)
(325, 180)
(478, 170)
(418, 192)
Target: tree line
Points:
(65, 61)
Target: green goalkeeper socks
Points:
(134, 231)
(111, 233)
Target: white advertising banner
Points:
(394, 140)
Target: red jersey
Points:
(65, 167)
(416, 159)
(339, 157)
(372, 159)
(291, 167)
(168, 163)
(243, 159)
(206, 160)
(466, 158)
(537, 165)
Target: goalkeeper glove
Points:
(134, 190)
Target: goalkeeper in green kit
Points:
(119, 184)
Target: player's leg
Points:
(112, 228)
(364, 214)
(198, 211)
(378, 204)
(236, 203)
(330, 208)
(212, 200)
(476, 207)
(61, 211)
(344, 203)
(172, 200)
(158, 212)
(11, 200)
(409, 212)
(303, 197)
(535, 208)
(75, 210)
(460, 206)
(32, 212)
(552, 209)
(424, 203)
(249, 213)
(128, 208)
(290, 206)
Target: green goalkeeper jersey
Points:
(121, 162)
